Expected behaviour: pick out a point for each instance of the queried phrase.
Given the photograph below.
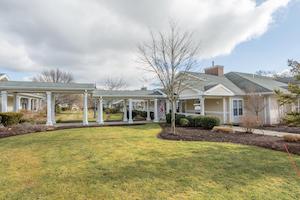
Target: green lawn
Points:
(131, 163)
(70, 116)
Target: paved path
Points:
(95, 124)
(264, 132)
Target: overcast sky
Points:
(95, 39)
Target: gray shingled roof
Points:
(287, 80)
(44, 86)
(255, 83)
(211, 81)
(128, 93)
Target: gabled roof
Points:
(208, 81)
(26, 86)
(255, 83)
(129, 93)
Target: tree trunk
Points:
(173, 126)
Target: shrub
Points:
(191, 121)
(292, 138)
(223, 129)
(198, 121)
(209, 122)
(292, 119)
(111, 110)
(250, 122)
(140, 114)
(177, 118)
(184, 122)
(10, 118)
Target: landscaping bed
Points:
(283, 128)
(196, 134)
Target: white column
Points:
(130, 111)
(230, 110)
(269, 110)
(3, 101)
(100, 111)
(202, 99)
(224, 111)
(265, 111)
(49, 112)
(28, 103)
(148, 111)
(155, 111)
(124, 111)
(85, 109)
(16, 102)
(53, 109)
(167, 106)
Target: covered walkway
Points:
(149, 101)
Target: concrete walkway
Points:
(265, 132)
(95, 124)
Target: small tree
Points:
(255, 104)
(169, 56)
(293, 88)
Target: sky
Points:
(96, 39)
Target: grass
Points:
(72, 116)
(131, 163)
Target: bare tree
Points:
(58, 76)
(255, 104)
(115, 83)
(170, 56)
(54, 76)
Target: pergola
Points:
(160, 104)
(128, 96)
(49, 89)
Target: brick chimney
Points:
(216, 70)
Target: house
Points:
(20, 101)
(211, 93)
(222, 95)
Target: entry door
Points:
(237, 110)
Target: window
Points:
(237, 107)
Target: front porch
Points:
(228, 109)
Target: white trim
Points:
(219, 86)
(224, 110)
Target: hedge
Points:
(177, 118)
(140, 113)
(210, 122)
(184, 122)
(205, 122)
(10, 118)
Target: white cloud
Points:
(95, 39)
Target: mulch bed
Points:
(196, 134)
(282, 128)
